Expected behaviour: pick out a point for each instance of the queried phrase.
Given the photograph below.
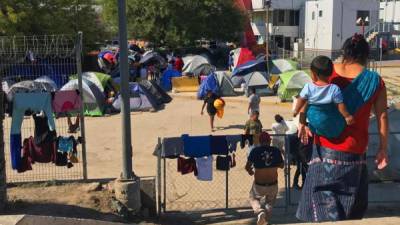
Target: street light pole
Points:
(267, 6)
(125, 105)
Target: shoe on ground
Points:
(261, 219)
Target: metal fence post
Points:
(82, 111)
(159, 176)
(165, 185)
(287, 174)
(227, 190)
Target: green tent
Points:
(291, 84)
(101, 80)
(279, 66)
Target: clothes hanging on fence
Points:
(66, 101)
(196, 146)
(247, 138)
(204, 168)
(42, 130)
(233, 141)
(22, 102)
(224, 163)
(172, 147)
(187, 166)
(26, 163)
(219, 145)
(65, 144)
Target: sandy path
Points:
(181, 116)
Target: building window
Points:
(363, 18)
(313, 15)
(294, 17)
(281, 16)
(320, 13)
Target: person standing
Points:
(211, 110)
(263, 163)
(336, 186)
(279, 128)
(179, 64)
(254, 102)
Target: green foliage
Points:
(176, 23)
(40, 17)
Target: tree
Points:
(42, 17)
(175, 23)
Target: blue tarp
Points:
(57, 70)
(249, 67)
(166, 77)
(209, 84)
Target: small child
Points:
(263, 163)
(279, 128)
(323, 98)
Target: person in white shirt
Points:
(254, 102)
(279, 128)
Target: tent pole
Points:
(127, 170)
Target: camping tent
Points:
(203, 69)
(249, 67)
(242, 56)
(152, 58)
(237, 81)
(226, 87)
(291, 84)
(47, 81)
(193, 62)
(140, 99)
(282, 65)
(209, 84)
(151, 88)
(166, 78)
(93, 97)
(392, 172)
(103, 81)
(259, 82)
(165, 96)
(28, 86)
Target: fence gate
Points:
(52, 59)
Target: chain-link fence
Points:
(230, 189)
(48, 60)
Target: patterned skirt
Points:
(336, 187)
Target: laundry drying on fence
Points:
(195, 154)
(43, 146)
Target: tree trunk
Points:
(3, 188)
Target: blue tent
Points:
(166, 77)
(209, 84)
(140, 99)
(249, 67)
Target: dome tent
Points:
(93, 97)
(291, 84)
(226, 86)
(140, 99)
(259, 82)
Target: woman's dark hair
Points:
(278, 118)
(356, 50)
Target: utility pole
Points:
(125, 107)
(267, 7)
(127, 188)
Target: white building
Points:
(330, 22)
(390, 13)
(285, 23)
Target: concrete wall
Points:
(345, 16)
(390, 11)
(318, 31)
(338, 22)
(287, 31)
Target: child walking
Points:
(263, 163)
